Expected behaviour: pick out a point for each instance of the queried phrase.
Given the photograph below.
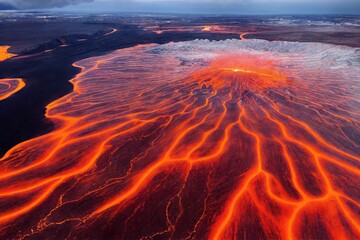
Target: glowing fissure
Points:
(199, 139)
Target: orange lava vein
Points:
(242, 36)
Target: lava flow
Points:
(9, 87)
(4, 54)
(217, 140)
(219, 29)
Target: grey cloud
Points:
(6, 6)
(34, 4)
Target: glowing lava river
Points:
(9, 87)
(195, 140)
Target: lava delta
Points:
(194, 140)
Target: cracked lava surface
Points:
(194, 140)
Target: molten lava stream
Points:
(235, 146)
(4, 54)
(9, 87)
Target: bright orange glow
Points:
(4, 54)
(237, 148)
(207, 28)
(240, 72)
(10, 86)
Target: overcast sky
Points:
(197, 6)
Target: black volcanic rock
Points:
(55, 43)
(65, 40)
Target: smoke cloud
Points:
(36, 4)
